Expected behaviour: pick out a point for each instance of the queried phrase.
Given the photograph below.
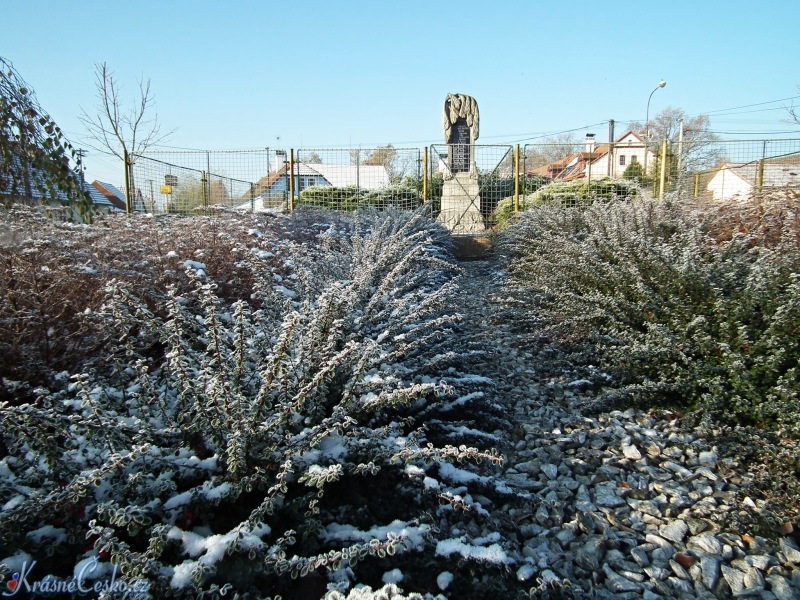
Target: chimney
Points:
(280, 160)
(590, 143)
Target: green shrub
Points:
(634, 172)
(582, 192)
(566, 194)
(495, 186)
(672, 315)
(351, 198)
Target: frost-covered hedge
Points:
(672, 313)
(689, 306)
(265, 422)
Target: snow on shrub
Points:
(684, 305)
(238, 417)
(671, 313)
(566, 194)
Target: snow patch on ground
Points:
(393, 576)
(444, 579)
(492, 554)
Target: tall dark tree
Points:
(37, 163)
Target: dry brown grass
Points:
(768, 217)
(53, 275)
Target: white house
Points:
(628, 149)
(595, 159)
(272, 191)
(739, 180)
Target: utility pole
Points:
(611, 162)
(680, 155)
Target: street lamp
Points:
(660, 85)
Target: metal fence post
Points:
(516, 178)
(291, 180)
(128, 201)
(663, 177)
(760, 176)
(252, 197)
(204, 181)
(696, 185)
(425, 175)
(610, 169)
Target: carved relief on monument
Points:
(460, 122)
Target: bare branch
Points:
(115, 131)
(794, 112)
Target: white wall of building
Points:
(632, 148)
(725, 184)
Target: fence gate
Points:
(477, 198)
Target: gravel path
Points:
(619, 504)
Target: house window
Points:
(634, 159)
(621, 160)
(305, 182)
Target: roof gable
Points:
(111, 193)
(573, 166)
(364, 176)
(95, 196)
(631, 139)
(774, 174)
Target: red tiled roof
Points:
(560, 170)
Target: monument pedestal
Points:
(461, 205)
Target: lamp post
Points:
(660, 85)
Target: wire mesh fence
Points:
(466, 184)
(472, 188)
(722, 170)
(346, 179)
(183, 182)
(712, 169)
(574, 173)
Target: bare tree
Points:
(551, 149)
(120, 132)
(384, 156)
(313, 159)
(699, 148)
(793, 111)
(114, 129)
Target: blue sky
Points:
(246, 74)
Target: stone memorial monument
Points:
(461, 202)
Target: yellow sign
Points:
(166, 189)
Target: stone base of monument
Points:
(461, 203)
